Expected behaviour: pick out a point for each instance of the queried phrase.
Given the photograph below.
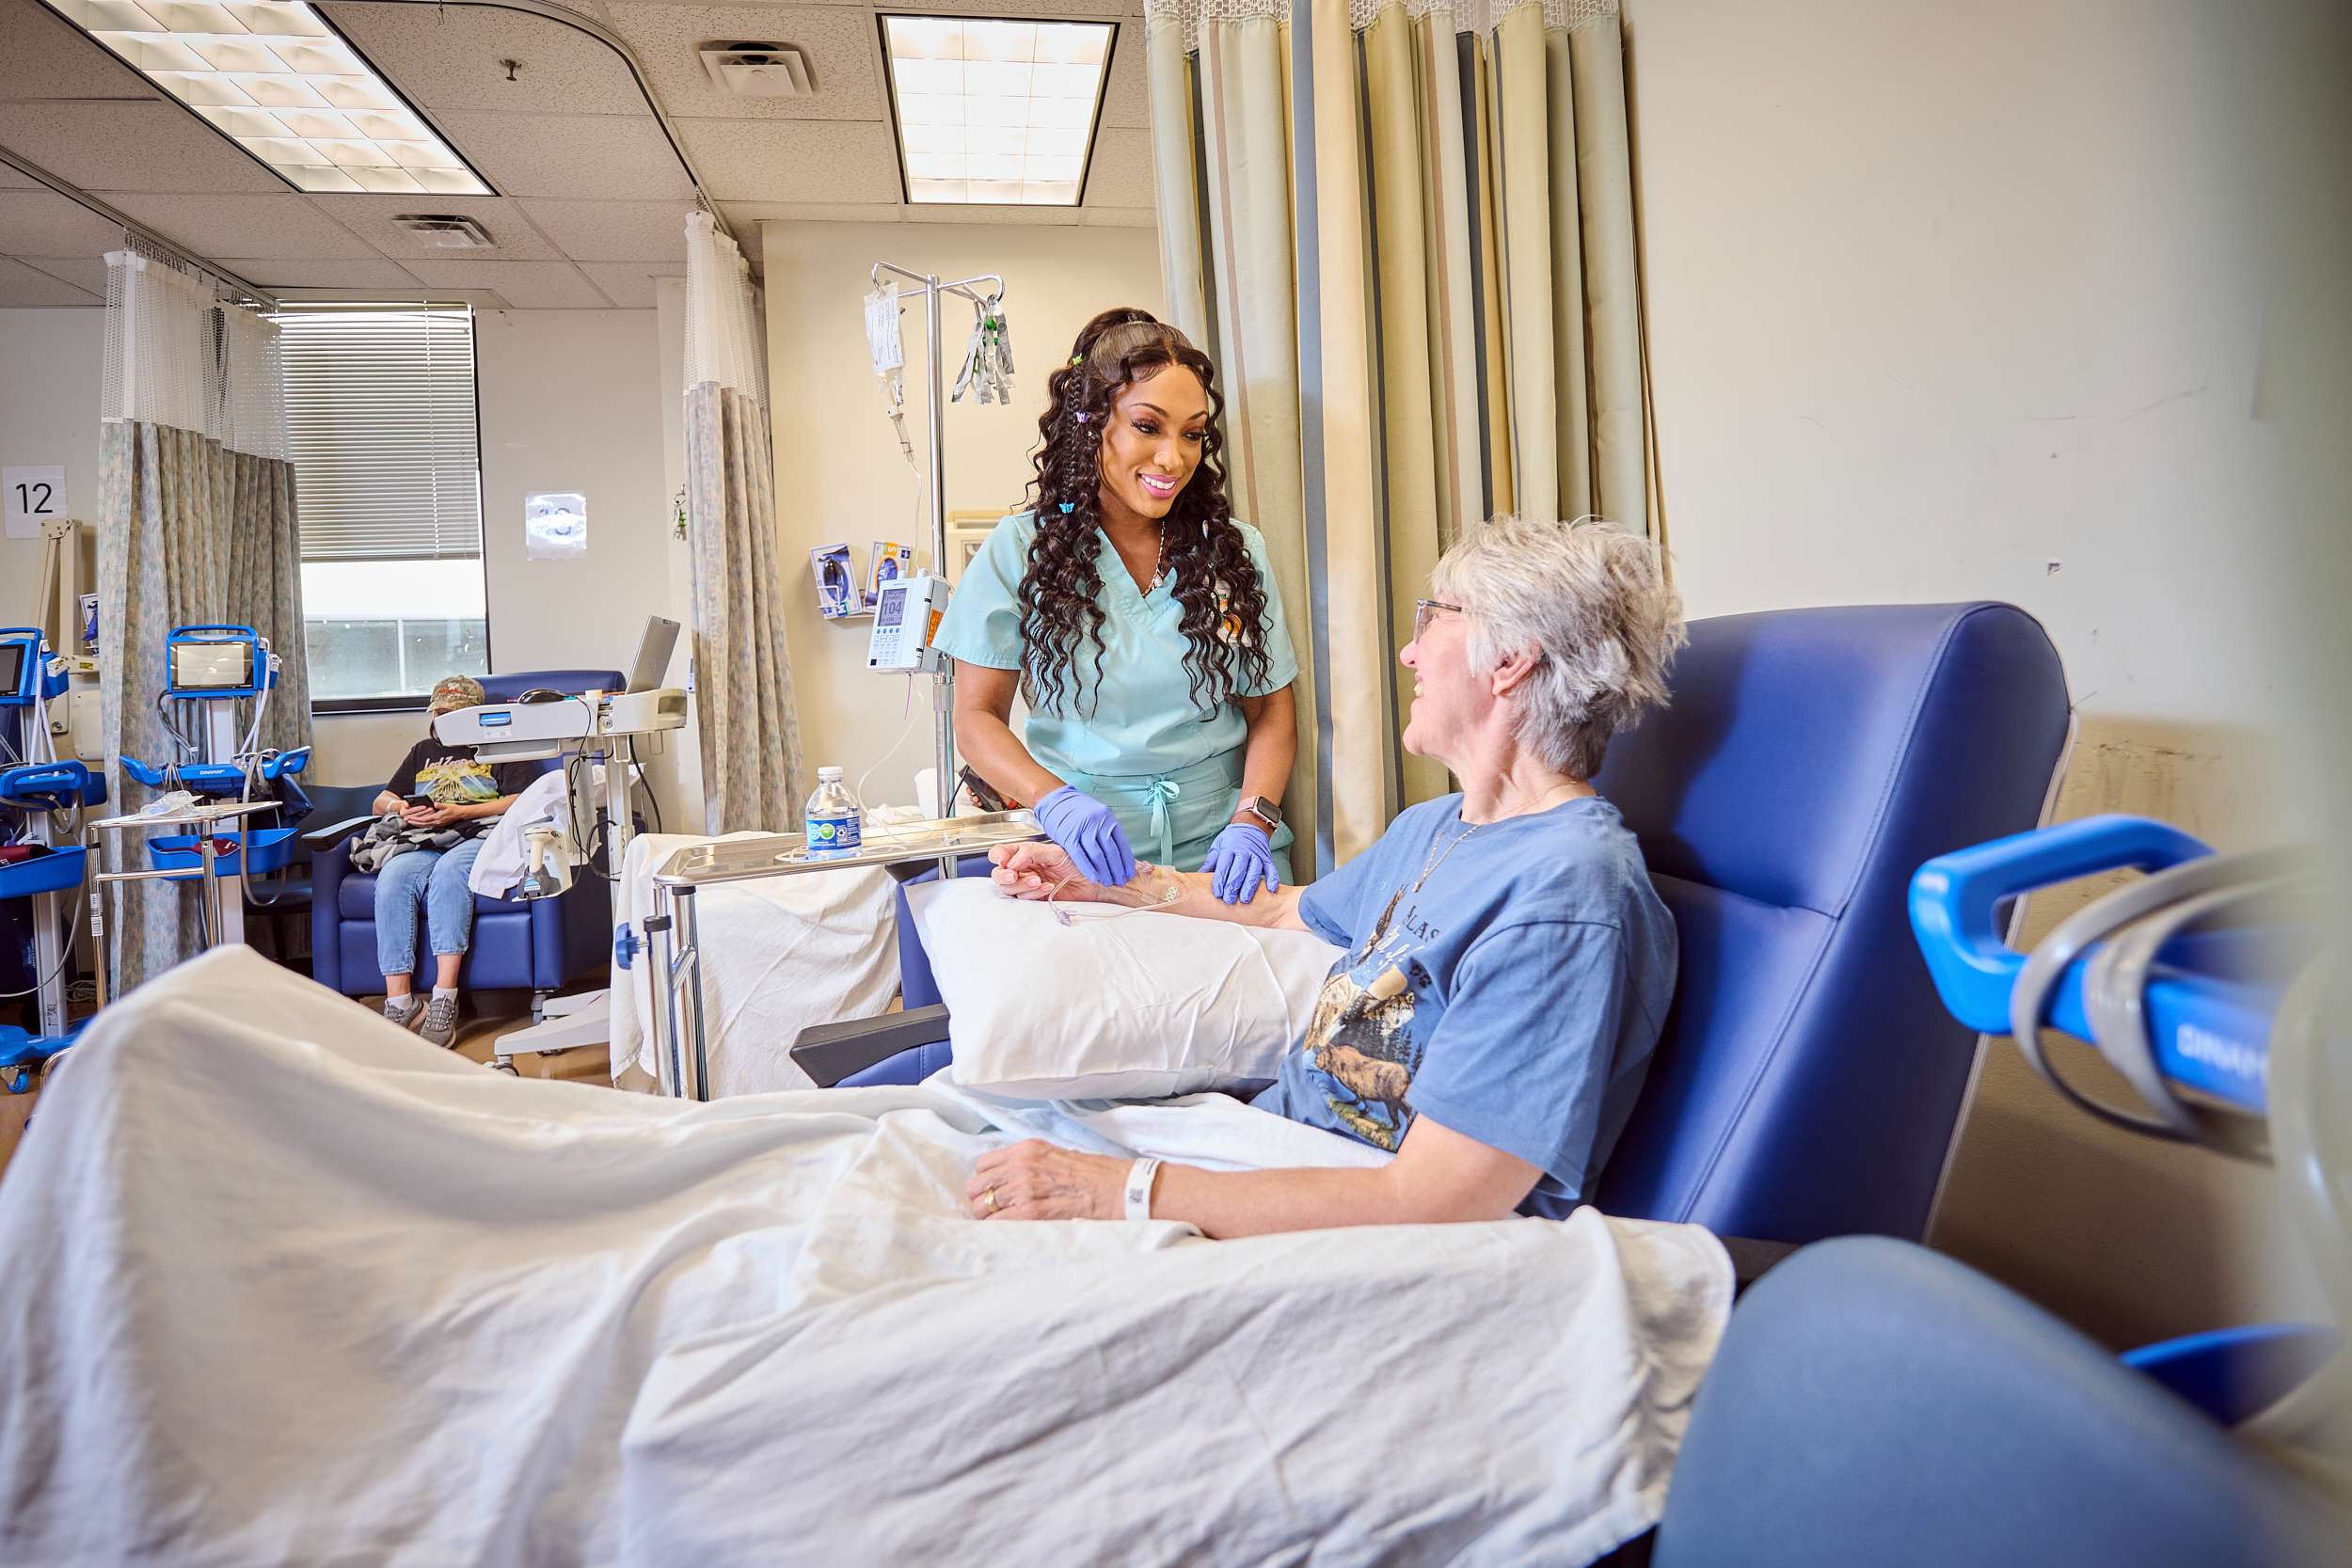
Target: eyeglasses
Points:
(1426, 609)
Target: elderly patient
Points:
(1508, 963)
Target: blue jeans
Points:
(436, 880)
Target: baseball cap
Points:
(453, 692)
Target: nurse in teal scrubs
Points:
(1140, 623)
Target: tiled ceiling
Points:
(590, 201)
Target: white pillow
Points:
(1138, 1007)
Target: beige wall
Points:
(1952, 302)
(49, 366)
(839, 474)
(569, 399)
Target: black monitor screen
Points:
(12, 667)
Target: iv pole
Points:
(943, 698)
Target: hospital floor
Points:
(477, 1036)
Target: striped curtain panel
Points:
(196, 526)
(1405, 229)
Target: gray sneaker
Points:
(440, 1021)
(407, 1011)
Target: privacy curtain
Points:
(751, 737)
(1404, 231)
(196, 526)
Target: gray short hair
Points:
(1592, 602)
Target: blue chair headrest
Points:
(506, 688)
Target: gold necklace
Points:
(1438, 855)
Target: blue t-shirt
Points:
(1514, 996)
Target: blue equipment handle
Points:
(151, 777)
(225, 626)
(54, 785)
(286, 762)
(1955, 900)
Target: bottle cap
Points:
(829, 775)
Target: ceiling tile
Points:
(524, 285)
(842, 43)
(1075, 9)
(1050, 218)
(1119, 217)
(41, 56)
(1121, 175)
(593, 157)
(280, 225)
(11, 180)
(745, 217)
(371, 273)
(480, 299)
(83, 272)
(1127, 98)
(130, 147)
(794, 160)
(630, 284)
(20, 284)
(371, 218)
(43, 223)
(615, 230)
(449, 59)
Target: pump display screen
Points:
(892, 610)
(211, 666)
(12, 668)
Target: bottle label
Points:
(829, 837)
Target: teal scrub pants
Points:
(1172, 818)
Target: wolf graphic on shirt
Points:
(1360, 1039)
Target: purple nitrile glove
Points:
(1240, 860)
(1088, 833)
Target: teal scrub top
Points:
(1143, 720)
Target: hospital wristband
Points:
(1138, 1192)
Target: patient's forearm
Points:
(1275, 911)
(1261, 1202)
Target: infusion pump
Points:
(906, 617)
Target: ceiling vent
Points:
(758, 69)
(447, 232)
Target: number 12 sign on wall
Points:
(33, 496)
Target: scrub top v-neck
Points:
(1134, 737)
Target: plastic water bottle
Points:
(830, 818)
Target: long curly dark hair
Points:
(1215, 582)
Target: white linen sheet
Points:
(778, 955)
(283, 1284)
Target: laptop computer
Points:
(653, 654)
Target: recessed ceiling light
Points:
(1000, 113)
(272, 77)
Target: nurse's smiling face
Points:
(1153, 444)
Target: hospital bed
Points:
(1807, 1082)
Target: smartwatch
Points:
(1263, 810)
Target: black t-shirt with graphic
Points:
(453, 776)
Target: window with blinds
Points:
(380, 425)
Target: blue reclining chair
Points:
(1873, 1402)
(1808, 1080)
(538, 946)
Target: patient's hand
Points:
(1035, 870)
(1034, 1179)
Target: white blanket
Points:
(280, 1283)
(777, 956)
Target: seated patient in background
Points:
(1508, 962)
(434, 814)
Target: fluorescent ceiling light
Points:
(996, 113)
(272, 77)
